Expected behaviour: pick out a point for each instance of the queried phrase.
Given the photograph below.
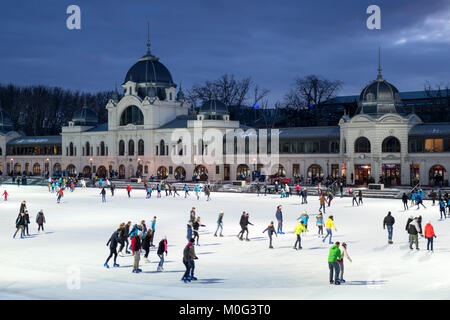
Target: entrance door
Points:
(226, 172)
(362, 174)
(391, 174)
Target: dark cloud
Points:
(271, 41)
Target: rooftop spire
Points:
(148, 38)
(379, 77)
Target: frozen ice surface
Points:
(76, 232)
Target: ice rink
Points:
(45, 265)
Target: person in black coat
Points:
(20, 223)
(103, 193)
(112, 243)
(162, 248)
(270, 231)
(389, 223)
(127, 235)
(405, 201)
(196, 225)
(23, 206)
(244, 226)
(123, 236)
(26, 222)
(146, 244)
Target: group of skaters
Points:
(23, 221)
(136, 240)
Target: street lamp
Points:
(12, 159)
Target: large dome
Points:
(149, 70)
(85, 117)
(380, 97)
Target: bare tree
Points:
(311, 90)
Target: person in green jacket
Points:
(298, 231)
(333, 265)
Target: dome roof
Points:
(85, 117)
(380, 97)
(6, 125)
(213, 107)
(149, 70)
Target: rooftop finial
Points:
(148, 38)
(379, 64)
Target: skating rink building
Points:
(380, 140)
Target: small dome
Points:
(213, 107)
(6, 125)
(85, 117)
(149, 70)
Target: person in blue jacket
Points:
(186, 191)
(196, 189)
(270, 231)
(158, 188)
(442, 208)
(153, 227)
(279, 216)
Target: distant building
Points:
(381, 137)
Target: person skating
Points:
(419, 199)
(196, 225)
(186, 191)
(129, 191)
(162, 248)
(192, 257)
(429, 235)
(442, 208)
(153, 227)
(5, 195)
(413, 231)
(20, 223)
(103, 193)
(60, 194)
(122, 238)
(330, 197)
(196, 190)
(112, 188)
(189, 256)
(26, 223)
(298, 231)
(319, 224)
(333, 265)
(405, 201)
(23, 206)
(192, 215)
(388, 223)
(175, 191)
(136, 244)
(112, 243)
(340, 261)
(149, 192)
(329, 225)
(189, 230)
(322, 203)
(279, 216)
(127, 233)
(244, 226)
(40, 220)
(304, 218)
(433, 196)
(219, 224)
(158, 190)
(354, 200)
(270, 231)
(360, 197)
(146, 244)
(208, 193)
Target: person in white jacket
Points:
(344, 254)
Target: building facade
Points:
(152, 131)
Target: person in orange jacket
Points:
(429, 235)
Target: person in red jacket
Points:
(429, 234)
(136, 245)
(5, 194)
(60, 194)
(128, 190)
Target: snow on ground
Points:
(76, 232)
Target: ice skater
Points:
(354, 200)
(333, 265)
(442, 208)
(322, 202)
(188, 260)
(388, 223)
(244, 226)
(219, 224)
(360, 197)
(186, 191)
(20, 222)
(429, 235)
(298, 231)
(153, 228)
(270, 231)
(5, 195)
(319, 224)
(304, 218)
(329, 225)
(162, 248)
(340, 261)
(40, 220)
(136, 244)
(195, 226)
(26, 223)
(146, 245)
(405, 201)
(413, 231)
(103, 193)
(279, 216)
(112, 243)
(129, 191)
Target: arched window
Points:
(88, 149)
(390, 144)
(243, 172)
(131, 148)
(121, 148)
(362, 145)
(180, 173)
(141, 147)
(132, 115)
(162, 173)
(315, 171)
(278, 171)
(71, 149)
(162, 148)
(102, 148)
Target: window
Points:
(102, 148)
(162, 148)
(334, 147)
(362, 145)
(121, 148)
(132, 115)
(390, 144)
(131, 148)
(88, 149)
(71, 149)
(434, 145)
(141, 147)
